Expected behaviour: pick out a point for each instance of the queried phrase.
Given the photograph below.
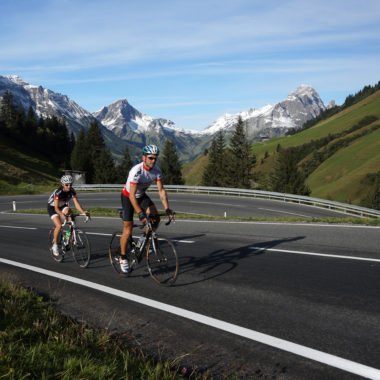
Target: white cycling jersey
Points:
(142, 177)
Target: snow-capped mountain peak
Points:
(273, 120)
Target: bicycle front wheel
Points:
(81, 248)
(162, 261)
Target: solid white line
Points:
(22, 228)
(310, 353)
(315, 254)
(284, 212)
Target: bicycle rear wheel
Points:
(115, 253)
(61, 251)
(81, 248)
(162, 261)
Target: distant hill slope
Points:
(21, 170)
(343, 176)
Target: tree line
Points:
(52, 138)
(231, 166)
(49, 137)
(91, 156)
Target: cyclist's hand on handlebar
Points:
(142, 217)
(170, 213)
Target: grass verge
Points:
(38, 342)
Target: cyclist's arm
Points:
(163, 195)
(78, 206)
(133, 199)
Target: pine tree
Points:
(7, 108)
(125, 166)
(241, 159)
(79, 157)
(94, 146)
(215, 172)
(171, 169)
(104, 168)
(286, 178)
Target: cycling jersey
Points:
(63, 197)
(142, 177)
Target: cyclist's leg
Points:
(127, 223)
(150, 208)
(58, 225)
(56, 220)
(127, 231)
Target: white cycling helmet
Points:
(151, 149)
(66, 179)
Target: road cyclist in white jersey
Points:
(134, 197)
(58, 206)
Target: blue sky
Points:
(191, 61)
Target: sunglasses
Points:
(151, 158)
(67, 184)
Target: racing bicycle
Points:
(72, 238)
(160, 253)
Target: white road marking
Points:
(22, 228)
(284, 212)
(315, 254)
(310, 353)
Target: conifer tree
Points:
(7, 108)
(215, 172)
(104, 168)
(94, 146)
(286, 178)
(241, 159)
(79, 157)
(124, 167)
(171, 169)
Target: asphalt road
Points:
(282, 300)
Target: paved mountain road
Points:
(294, 286)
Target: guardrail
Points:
(300, 199)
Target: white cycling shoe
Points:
(55, 250)
(124, 265)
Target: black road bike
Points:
(160, 253)
(72, 238)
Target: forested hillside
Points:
(336, 157)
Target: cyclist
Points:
(134, 197)
(58, 206)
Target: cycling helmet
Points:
(151, 149)
(66, 179)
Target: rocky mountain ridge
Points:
(122, 124)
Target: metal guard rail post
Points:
(300, 199)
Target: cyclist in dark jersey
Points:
(58, 206)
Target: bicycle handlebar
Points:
(87, 216)
(150, 216)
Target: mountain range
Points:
(122, 124)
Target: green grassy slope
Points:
(23, 171)
(341, 176)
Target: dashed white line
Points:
(17, 227)
(315, 254)
(310, 353)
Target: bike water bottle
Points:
(141, 241)
(67, 237)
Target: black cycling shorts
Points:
(128, 209)
(51, 210)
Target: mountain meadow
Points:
(338, 156)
